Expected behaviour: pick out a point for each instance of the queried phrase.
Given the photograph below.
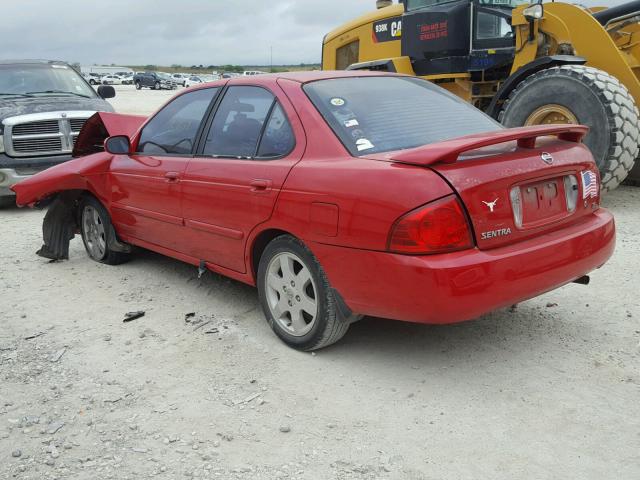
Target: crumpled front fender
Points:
(83, 173)
(78, 174)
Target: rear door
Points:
(146, 185)
(248, 148)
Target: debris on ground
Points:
(131, 316)
(57, 356)
(31, 337)
(189, 316)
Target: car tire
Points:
(7, 201)
(158, 86)
(138, 86)
(593, 98)
(95, 225)
(289, 307)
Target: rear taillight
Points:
(437, 227)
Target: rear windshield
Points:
(381, 114)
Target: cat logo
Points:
(387, 30)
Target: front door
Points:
(231, 186)
(146, 186)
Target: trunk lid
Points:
(515, 183)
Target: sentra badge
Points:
(502, 232)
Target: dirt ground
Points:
(548, 390)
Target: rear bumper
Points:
(463, 285)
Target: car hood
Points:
(10, 106)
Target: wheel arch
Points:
(525, 71)
(257, 246)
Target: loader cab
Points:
(458, 36)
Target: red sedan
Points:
(338, 194)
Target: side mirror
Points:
(534, 12)
(118, 145)
(106, 91)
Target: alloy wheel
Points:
(291, 294)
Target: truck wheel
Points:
(157, 87)
(634, 175)
(95, 225)
(296, 297)
(138, 86)
(585, 95)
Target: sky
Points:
(184, 32)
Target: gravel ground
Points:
(547, 390)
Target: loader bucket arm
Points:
(617, 53)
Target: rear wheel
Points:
(296, 297)
(95, 225)
(585, 95)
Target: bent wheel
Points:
(296, 297)
(95, 226)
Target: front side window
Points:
(173, 130)
(237, 125)
(381, 114)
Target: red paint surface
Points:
(344, 208)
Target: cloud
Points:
(165, 32)
(186, 32)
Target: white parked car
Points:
(193, 80)
(111, 80)
(180, 78)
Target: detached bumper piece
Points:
(58, 228)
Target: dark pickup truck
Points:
(154, 80)
(43, 106)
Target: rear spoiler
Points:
(449, 150)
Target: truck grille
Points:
(52, 133)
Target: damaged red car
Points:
(337, 194)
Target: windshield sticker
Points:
(338, 102)
(63, 67)
(351, 123)
(364, 144)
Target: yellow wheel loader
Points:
(523, 64)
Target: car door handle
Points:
(172, 176)
(260, 185)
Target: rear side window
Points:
(381, 114)
(278, 139)
(238, 122)
(173, 130)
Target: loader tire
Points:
(588, 96)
